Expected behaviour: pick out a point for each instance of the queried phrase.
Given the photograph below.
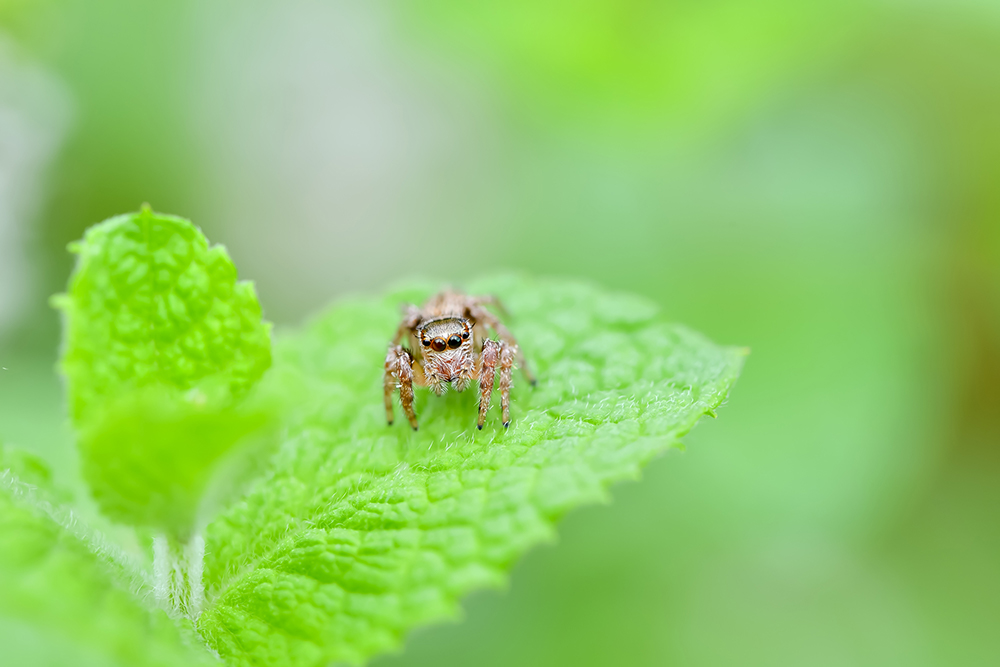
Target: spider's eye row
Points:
(438, 344)
(454, 341)
(425, 342)
(465, 336)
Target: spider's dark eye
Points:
(465, 336)
(454, 342)
(438, 344)
(425, 342)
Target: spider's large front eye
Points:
(454, 341)
(438, 344)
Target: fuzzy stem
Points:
(177, 571)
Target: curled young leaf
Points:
(161, 345)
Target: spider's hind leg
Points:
(411, 317)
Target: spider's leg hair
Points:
(399, 373)
(507, 352)
(487, 373)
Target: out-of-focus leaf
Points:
(66, 596)
(149, 457)
(27, 467)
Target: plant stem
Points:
(177, 570)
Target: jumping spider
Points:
(450, 344)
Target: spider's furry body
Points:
(449, 344)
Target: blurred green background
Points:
(819, 181)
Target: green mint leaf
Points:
(359, 531)
(161, 346)
(66, 596)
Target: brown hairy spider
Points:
(450, 344)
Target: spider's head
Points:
(446, 344)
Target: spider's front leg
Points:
(507, 354)
(487, 373)
(480, 314)
(399, 373)
(495, 353)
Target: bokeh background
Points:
(819, 181)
